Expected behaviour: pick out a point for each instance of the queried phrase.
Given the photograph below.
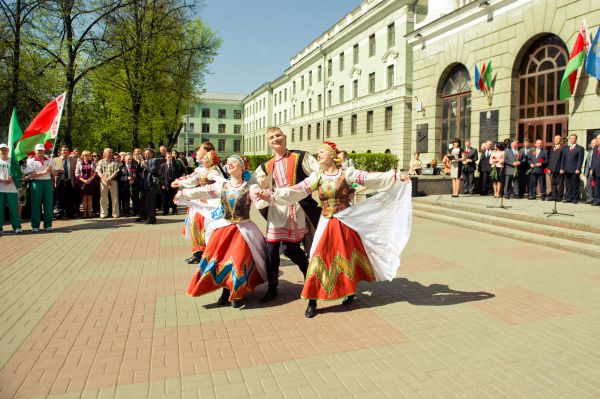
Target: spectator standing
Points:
(538, 160)
(456, 160)
(469, 165)
(149, 185)
(67, 197)
(524, 174)
(595, 171)
(416, 166)
(8, 192)
(108, 170)
(485, 168)
(571, 167)
(557, 187)
(171, 170)
(346, 161)
(85, 174)
(497, 168)
(95, 187)
(39, 169)
(589, 187)
(512, 163)
(124, 183)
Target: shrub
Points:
(373, 162)
(254, 161)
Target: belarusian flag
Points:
(481, 81)
(567, 84)
(42, 129)
(486, 76)
(14, 134)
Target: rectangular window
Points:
(264, 121)
(302, 108)
(329, 98)
(221, 128)
(372, 45)
(293, 135)
(355, 89)
(236, 145)
(353, 124)
(329, 67)
(319, 102)
(388, 118)
(328, 129)
(279, 98)
(285, 95)
(319, 73)
(340, 127)
(206, 112)
(190, 141)
(294, 87)
(275, 118)
(222, 113)
(285, 116)
(391, 35)
(221, 145)
(372, 83)
(318, 131)
(280, 121)
(206, 128)
(309, 105)
(341, 94)
(310, 78)
(355, 54)
(191, 127)
(237, 114)
(342, 59)
(369, 121)
(237, 129)
(390, 76)
(308, 132)
(301, 133)
(302, 83)
(293, 111)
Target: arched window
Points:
(541, 114)
(456, 107)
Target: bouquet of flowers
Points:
(494, 173)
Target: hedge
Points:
(371, 162)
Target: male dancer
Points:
(286, 224)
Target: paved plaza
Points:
(97, 309)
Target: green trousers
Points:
(41, 194)
(10, 199)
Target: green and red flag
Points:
(481, 81)
(42, 129)
(14, 134)
(567, 84)
(486, 76)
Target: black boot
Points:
(224, 298)
(269, 296)
(311, 309)
(195, 258)
(236, 303)
(349, 300)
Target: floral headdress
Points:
(332, 149)
(242, 161)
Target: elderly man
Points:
(589, 189)
(512, 161)
(469, 165)
(572, 162)
(108, 170)
(8, 191)
(67, 196)
(149, 186)
(40, 173)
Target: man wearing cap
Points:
(8, 192)
(40, 173)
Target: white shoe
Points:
(48, 229)
(18, 231)
(35, 230)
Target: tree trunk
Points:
(16, 64)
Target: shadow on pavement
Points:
(100, 224)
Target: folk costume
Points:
(287, 224)
(195, 221)
(235, 252)
(352, 242)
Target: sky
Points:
(260, 36)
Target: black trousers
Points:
(572, 183)
(135, 199)
(167, 200)
(147, 204)
(468, 180)
(124, 198)
(557, 186)
(66, 197)
(485, 183)
(293, 251)
(533, 180)
(523, 182)
(596, 180)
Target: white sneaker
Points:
(18, 231)
(35, 230)
(48, 229)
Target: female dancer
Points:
(352, 242)
(235, 253)
(195, 222)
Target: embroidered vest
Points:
(335, 194)
(236, 204)
(295, 172)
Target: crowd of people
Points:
(89, 184)
(506, 169)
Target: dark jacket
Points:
(484, 163)
(151, 174)
(541, 158)
(572, 159)
(595, 161)
(167, 178)
(472, 154)
(555, 161)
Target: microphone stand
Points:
(501, 206)
(553, 211)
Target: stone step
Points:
(501, 220)
(563, 222)
(544, 240)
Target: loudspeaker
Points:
(428, 171)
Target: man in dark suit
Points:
(538, 160)
(67, 197)
(557, 186)
(595, 172)
(524, 167)
(571, 168)
(512, 161)
(149, 186)
(169, 172)
(485, 168)
(589, 189)
(469, 165)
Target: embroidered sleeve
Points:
(203, 192)
(262, 179)
(310, 164)
(374, 181)
(297, 192)
(258, 202)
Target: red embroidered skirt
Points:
(226, 262)
(337, 265)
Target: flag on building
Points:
(486, 76)
(14, 134)
(567, 84)
(477, 78)
(592, 64)
(481, 82)
(42, 129)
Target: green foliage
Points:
(254, 161)
(374, 162)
